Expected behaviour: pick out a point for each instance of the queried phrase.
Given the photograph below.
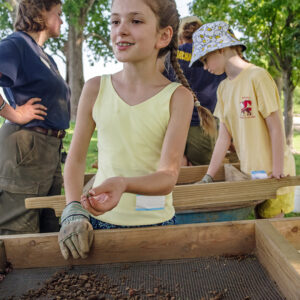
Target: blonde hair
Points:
(239, 50)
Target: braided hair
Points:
(167, 15)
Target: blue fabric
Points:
(28, 72)
(97, 224)
(201, 81)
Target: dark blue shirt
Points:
(203, 83)
(28, 72)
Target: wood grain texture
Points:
(195, 173)
(210, 196)
(279, 257)
(289, 228)
(141, 244)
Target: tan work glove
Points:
(76, 233)
(206, 179)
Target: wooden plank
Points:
(195, 173)
(57, 203)
(88, 177)
(280, 259)
(140, 244)
(88, 185)
(209, 196)
(289, 228)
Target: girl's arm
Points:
(277, 143)
(161, 182)
(221, 147)
(84, 128)
(24, 113)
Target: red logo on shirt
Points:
(246, 108)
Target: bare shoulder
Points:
(89, 94)
(92, 86)
(183, 97)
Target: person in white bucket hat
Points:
(213, 36)
(249, 111)
(199, 145)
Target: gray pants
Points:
(29, 167)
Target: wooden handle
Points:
(200, 196)
(210, 194)
(195, 173)
(58, 203)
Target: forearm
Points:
(221, 147)
(157, 183)
(277, 142)
(73, 179)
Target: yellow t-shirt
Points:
(130, 140)
(243, 105)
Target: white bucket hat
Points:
(212, 36)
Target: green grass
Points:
(92, 150)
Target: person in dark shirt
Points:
(199, 146)
(31, 152)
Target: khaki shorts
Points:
(199, 146)
(29, 167)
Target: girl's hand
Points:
(104, 197)
(29, 111)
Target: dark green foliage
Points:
(270, 28)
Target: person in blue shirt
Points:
(199, 146)
(31, 151)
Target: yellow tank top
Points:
(130, 140)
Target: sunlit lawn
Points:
(92, 151)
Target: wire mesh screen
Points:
(236, 278)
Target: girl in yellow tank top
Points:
(142, 121)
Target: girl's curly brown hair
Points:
(30, 14)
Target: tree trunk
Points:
(288, 91)
(278, 81)
(74, 56)
(75, 66)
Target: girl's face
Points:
(53, 21)
(134, 31)
(214, 62)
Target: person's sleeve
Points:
(268, 100)
(9, 63)
(219, 110)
